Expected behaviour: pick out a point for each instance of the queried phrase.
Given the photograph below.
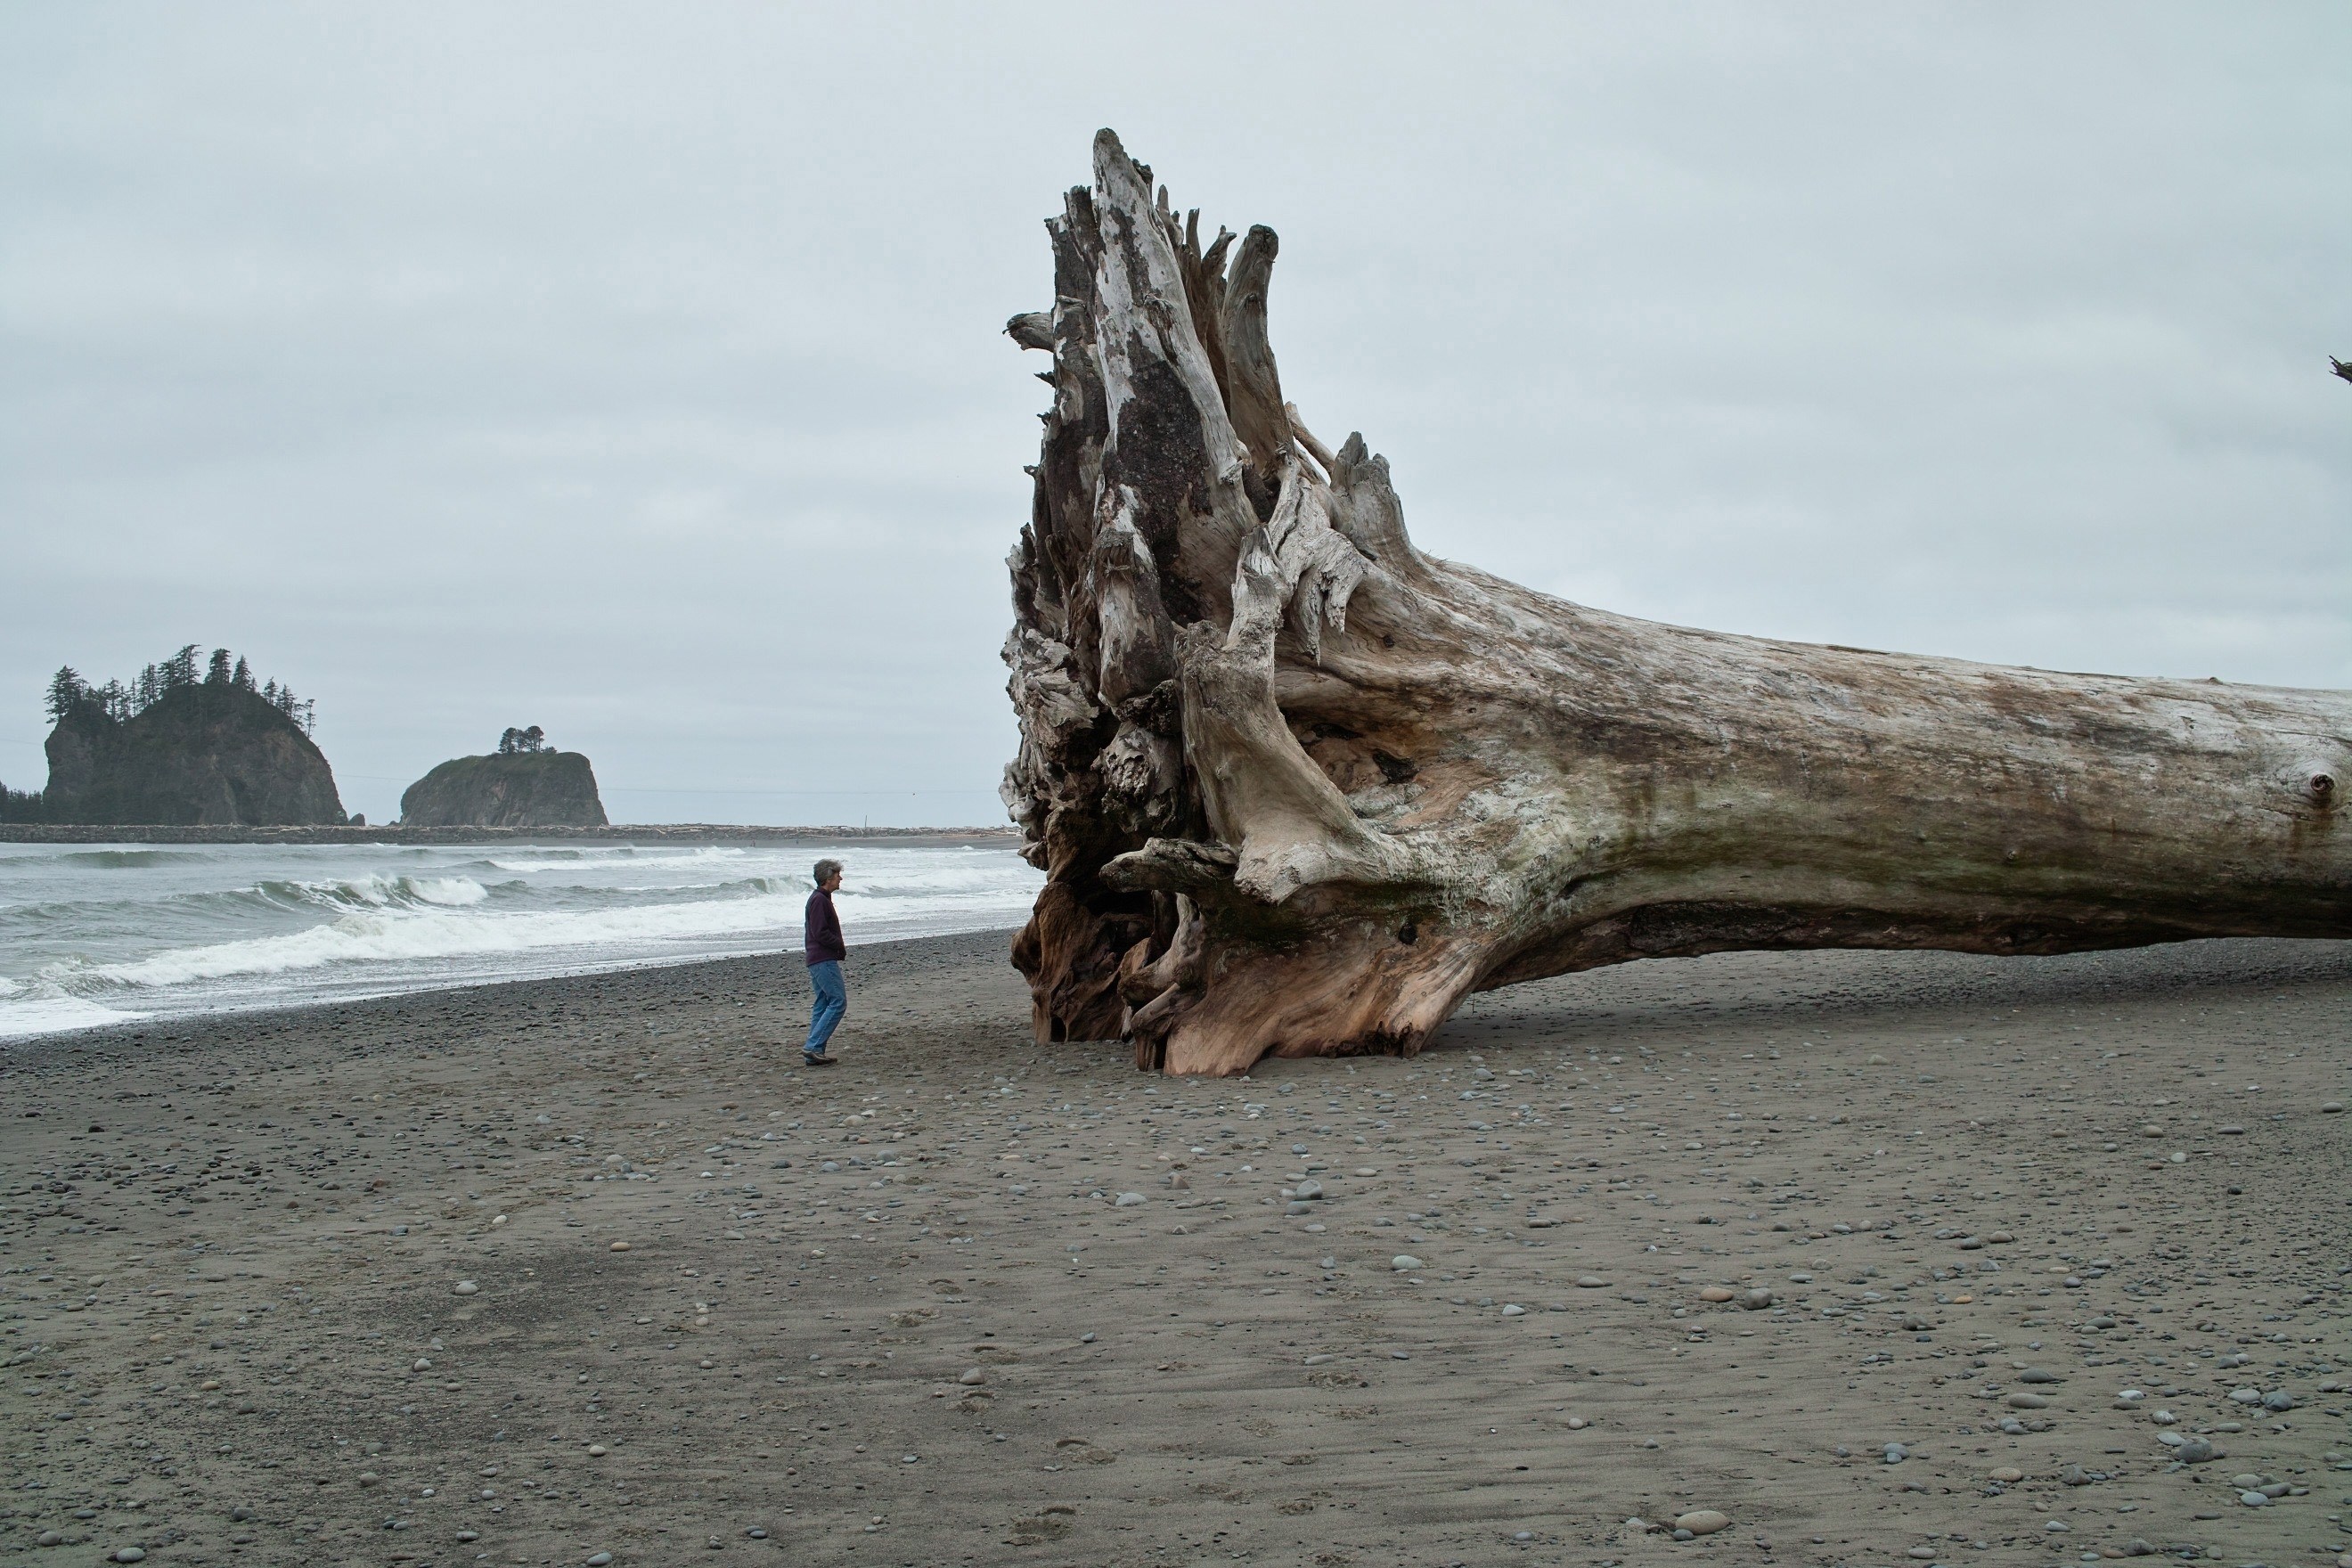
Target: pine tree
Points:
(180, 669)
(242, 678)
(216, 673)
(67, 691)
(151, 686)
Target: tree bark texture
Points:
(1299, 788)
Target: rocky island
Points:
(525, 782)
(175, 747)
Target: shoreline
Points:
(392, 834)
(521, 990)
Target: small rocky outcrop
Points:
(208, 753)
(510, 788)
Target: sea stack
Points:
(182, 750)
(524, 784)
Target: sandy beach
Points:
(592, 1270)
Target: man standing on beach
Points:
(821, 936)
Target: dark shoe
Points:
(807, 1060)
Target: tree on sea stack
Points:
(1300, 789)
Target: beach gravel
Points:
(1706, 1241)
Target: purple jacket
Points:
(822, 929)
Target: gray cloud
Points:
(633, 372)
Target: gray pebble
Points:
(1308, 1191)
(2278, 1399)
(1405, 1263)
(2195, 1451)
(1128, 1200)
(2253, 1500)
(1896, 1453)
(2036, 1374)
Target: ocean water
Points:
(101, 935)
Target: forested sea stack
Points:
(1299, 788)
(181, 747)
(524, 784)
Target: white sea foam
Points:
(54, 1013)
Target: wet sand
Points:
(539, 1272)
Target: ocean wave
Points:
(133, 859)
(378, 890)
(406, 936)
(628, 854)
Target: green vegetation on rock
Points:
(178, 747)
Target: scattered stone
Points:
(2008, 1474)
(1756, 1300)
(2076, 1476)
(1715, 1293)
(1578, 1423)
(1127, 1201)
(2026, 1402)
(466, 1288)
(139, 1553)
(601, 1559)
(1592, 1282)
(1405, 1263)
(1702, 1521)
(2195, 1451)
(1510, 1311)
(597, 1450)
(2332, 1107)
(620, 1247)
(1895, 1453)
(973, 1377)
(2037, 1374)
(2254, 1498)
(2278, 1399)
(1307, 1192)
(2246, 1396)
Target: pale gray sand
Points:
(856, 1308)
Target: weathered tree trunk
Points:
(1300, 789)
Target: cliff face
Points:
(200, 755)
(522, 789)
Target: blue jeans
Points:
(830, 1001)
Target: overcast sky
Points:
(635, 371)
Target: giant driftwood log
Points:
(1299, 788)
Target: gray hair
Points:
(827, 870)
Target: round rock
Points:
(139, 1553)
(466, 1288)
(1405, 1263)
(1702, 1521)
